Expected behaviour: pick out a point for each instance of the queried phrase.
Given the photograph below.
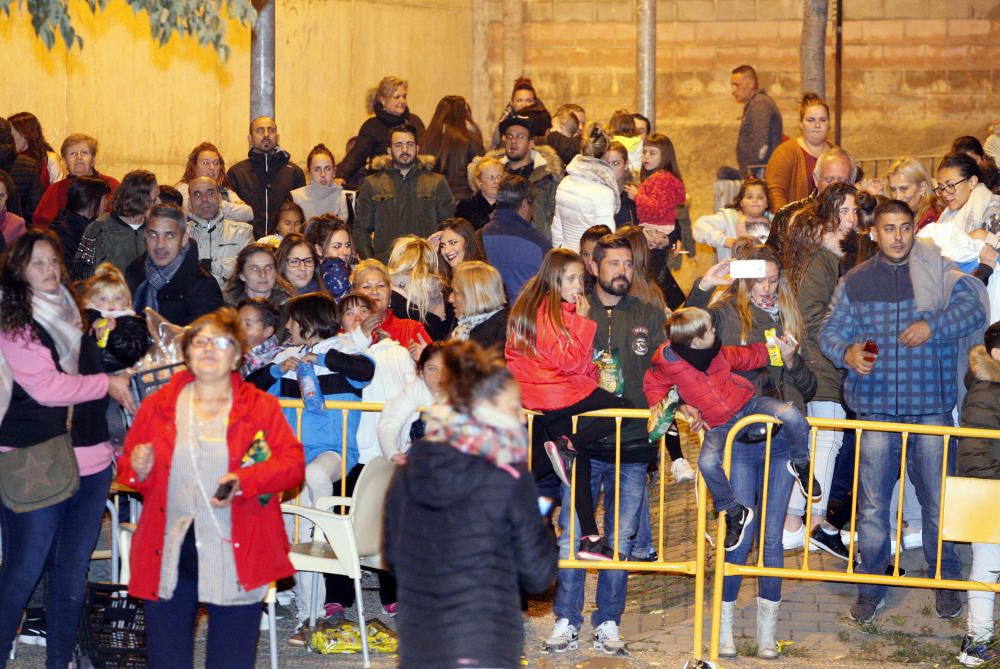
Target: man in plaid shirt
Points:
(898, 323)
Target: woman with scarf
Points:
(465, 492)
(51, 516)
(386, 102)
(478, 299)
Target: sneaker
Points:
(564, 637)
(594, 548)
(682, 471)
(801, 473)
(390, 609)
(863, 611)
(737, 522)
(975, 653)
(607, 640)
(828, 542)
(32, 630)
(913, 540)
(794, 539)
(301, 637)
(651, 556)
(947, 603)
(561, 454)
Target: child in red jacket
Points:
(703, 371)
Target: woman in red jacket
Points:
(210, 455)
(550, 351)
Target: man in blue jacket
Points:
(512, 245)
(919, 311)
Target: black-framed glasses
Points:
(305, 262)
(948, 188)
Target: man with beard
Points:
(628, 332)
(266, 177)
(403, 197)
(902, 324)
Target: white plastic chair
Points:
(352, 539)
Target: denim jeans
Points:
(748, 484)
(611, 584)
(57, 540)
(879, 470)
(792, 439)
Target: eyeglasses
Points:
(948, 188)
(220, 342)
(305, 262)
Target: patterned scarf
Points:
(488, 433)
(466, 324)
(260, 355)
(157, 278)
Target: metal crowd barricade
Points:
(953, 524)
(694, 567)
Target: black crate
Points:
(113, 628)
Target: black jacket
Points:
(193, 291)
(126, 344)
(476, 210)
(438, 328)
(492, 331)
(373, 141)
(264, 181)
(69, 225)
(463, 537)
(23, 171)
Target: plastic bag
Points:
(609, 372)
(662, 415)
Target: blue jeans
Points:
(611, 584)
(879, 471)
(748, 484)
(58, 540)
(232, 631)
(792, 439)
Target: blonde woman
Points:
(910, 182)
(588, 194)
(477, 297)
(485, 175)
(417, 287)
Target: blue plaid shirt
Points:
(875, 301)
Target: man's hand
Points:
(859, 360)
(916, 334)
(693, 418)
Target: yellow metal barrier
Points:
(694, 567)
(960, 489)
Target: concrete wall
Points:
(916, 72)
(149, 106)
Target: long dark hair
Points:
(668, 157)
(235, 285)
(16, 313)
(807, 228)
(451, 134)
(28, 125)
(473, 244)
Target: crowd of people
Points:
(457, 277)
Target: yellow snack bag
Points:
(771, 337)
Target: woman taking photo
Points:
(789, 172)
(485, 175)
(256, 275)
(53, 518)
(478, 299)
(454, 139)
(298, 264)
(909, 181)
(456, 242)
(467, 472)
(588, 194)
(205, 160)
(387, 104)
(210, 455)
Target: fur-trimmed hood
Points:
(545, 159)
(384, 161)
(982, 366)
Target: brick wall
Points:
(916, 72)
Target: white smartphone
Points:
(747, 269)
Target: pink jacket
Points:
(12, 227)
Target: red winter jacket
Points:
(54, 200)
(717, 394)
(559, 373)
(404, 330)
(259, 541)
(658, 198)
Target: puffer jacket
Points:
(219, 242)
(264, 181)
(587, 195)
(980, 458)
(718, 393)
(796, 384)
(391, 205)
(108, 239)
(546, 174)
(464, 538)
(560, 372)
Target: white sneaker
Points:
(682, 471)
(607, 640)
(795, 539)
(913, 540)
(564, 637)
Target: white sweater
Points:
(399, 414)
(317, 200)
(588, 195)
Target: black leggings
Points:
(559, 423)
